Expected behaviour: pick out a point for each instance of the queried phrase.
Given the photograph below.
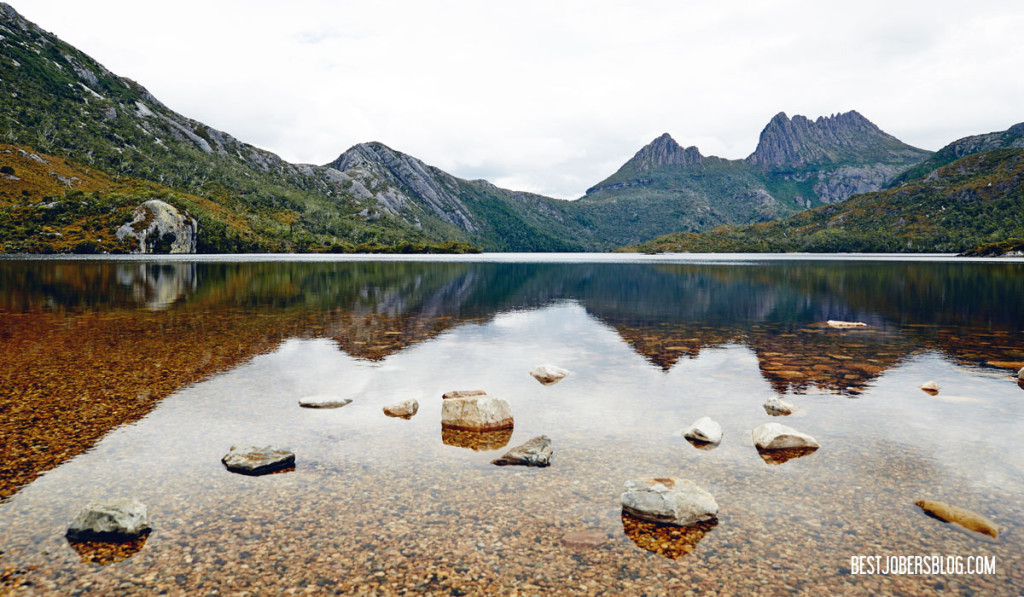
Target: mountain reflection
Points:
(90, 345)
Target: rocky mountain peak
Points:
(799, 141)
(664, 151)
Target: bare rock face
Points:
(475, 411)
(160, 228)
(549, 374)
(536, 452)
(773, 436)
(668, 501)
(705, 430)
(110, 520)
(404, 409)
(250, 460)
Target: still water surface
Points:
(134, 377)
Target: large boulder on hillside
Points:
(158, 227)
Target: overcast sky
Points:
(553, 96)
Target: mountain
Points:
(798, 163)
(961, 203)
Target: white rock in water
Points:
(549, 374)
(931, 387)
(668, 501)
(110, 520)
(250, 460)
(536, 452)
(476, 412)
(160, 228)
(776, 406)
(405, 409)
(832, 323)
(773, 436)
(324, 402)
(1020, 374)
(705, 430)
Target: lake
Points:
(132, 377)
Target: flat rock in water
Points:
(462, 394)
(404, 409)
(476, 411)
(324, 402)
(536, 452)
(959, 516)
(705, 430)
(777, 407)
(773, 436)
(668, 501)
(250, 460)
(110, 520)
(931, 387)
(832, 323)
(549, 374)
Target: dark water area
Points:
(131, 378)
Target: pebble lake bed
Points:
(199, 356)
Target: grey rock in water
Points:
(704, 430)
(160, 228)
(404, 409)
(324, 402)
(475, 411)
(668, 501)
(110, 520)
(773, 436)
(536, 452)
(549, 374)
(250, 460)
(777, 407)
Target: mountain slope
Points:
(971, 201)
(1011, 137)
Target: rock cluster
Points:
(536, 452)
(250, 460)
(668, 501)
(109, 520)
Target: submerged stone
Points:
(670, 541)
(971, 521)
(668, 501)
(476, 440)
(584, 539)
(110, 520)
(250, 460)
(536, 452)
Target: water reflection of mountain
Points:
(91, 345)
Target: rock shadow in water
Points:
(670, 541)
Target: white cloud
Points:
(553, 97)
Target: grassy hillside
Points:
(975, 200)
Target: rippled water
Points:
(133, 378)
